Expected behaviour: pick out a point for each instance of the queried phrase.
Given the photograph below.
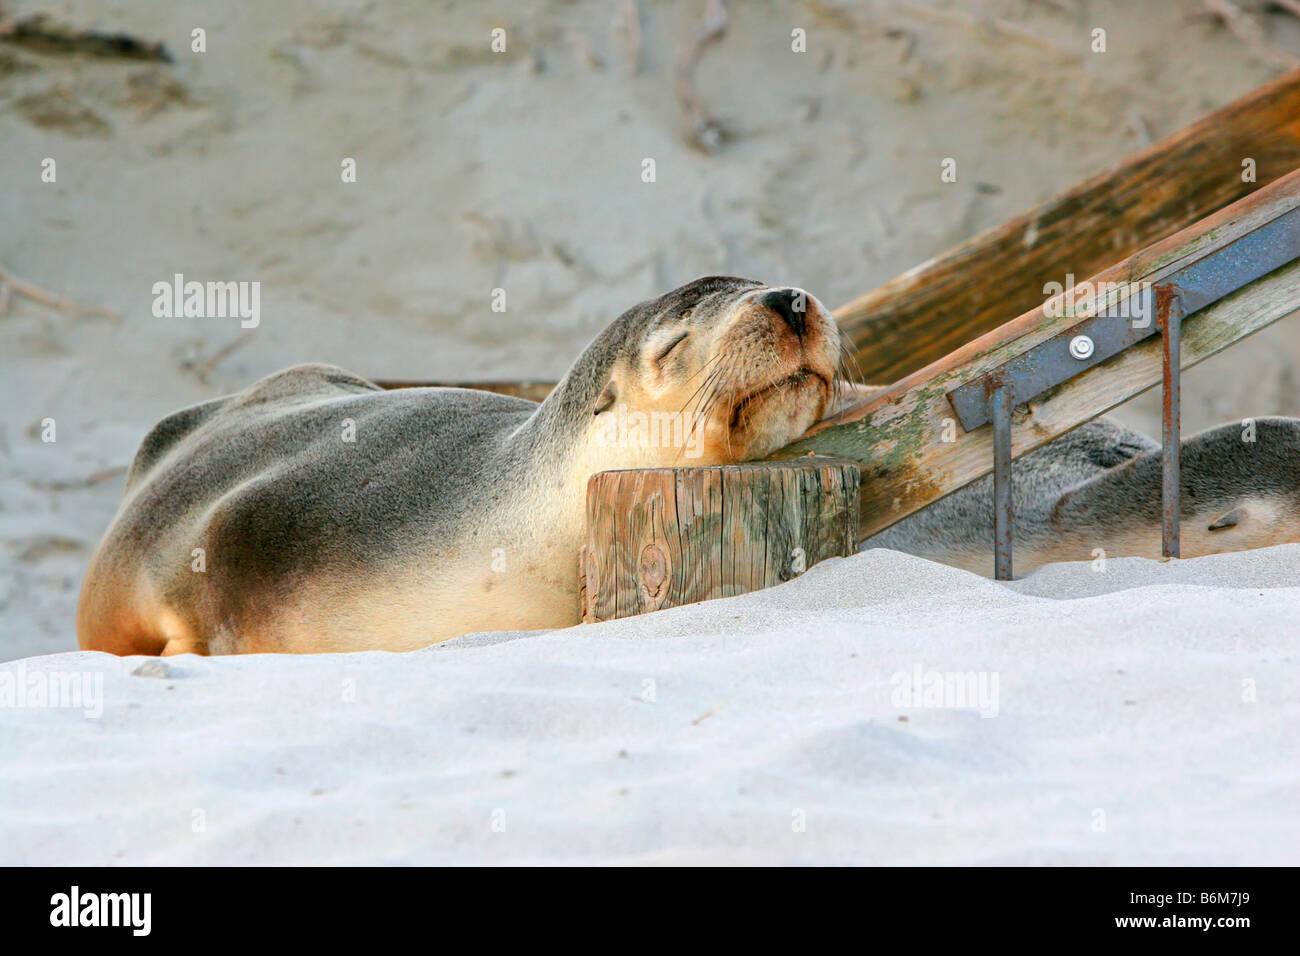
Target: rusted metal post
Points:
(1169, 316)
(1001, 401)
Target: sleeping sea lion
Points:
(314, 511)
(1096, 492)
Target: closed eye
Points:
(663, 353)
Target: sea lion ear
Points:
(1227, 520)
(606, 399)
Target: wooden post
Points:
(663, 537)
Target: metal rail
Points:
(1118, 325)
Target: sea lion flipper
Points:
(1227, 520)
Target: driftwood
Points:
(664, 537)
(926, 313)
(11, 284)
(907, 439)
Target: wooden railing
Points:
(1230, 274)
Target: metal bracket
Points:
(1114, 329)
(1118, 326)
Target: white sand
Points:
(1119, 703)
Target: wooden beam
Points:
(907, 438)
(922, 315)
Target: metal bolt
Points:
(1081, 347)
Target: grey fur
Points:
(1101, 480)
(282, 504)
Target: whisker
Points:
(703, 384)
(849, 366)
(718, 377)
(706, 365)
(717, 397)
(697, 416)
(700, 391)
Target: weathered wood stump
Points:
(664, 537)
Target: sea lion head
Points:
(720, 370)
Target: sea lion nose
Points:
(790, 304)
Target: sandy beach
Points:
(1146, 713)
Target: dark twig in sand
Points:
(203, 368)
(1249, 31)
(703, 130)
(37, 32)
(10, 282)
(907, 42)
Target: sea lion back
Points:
(309, 472)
